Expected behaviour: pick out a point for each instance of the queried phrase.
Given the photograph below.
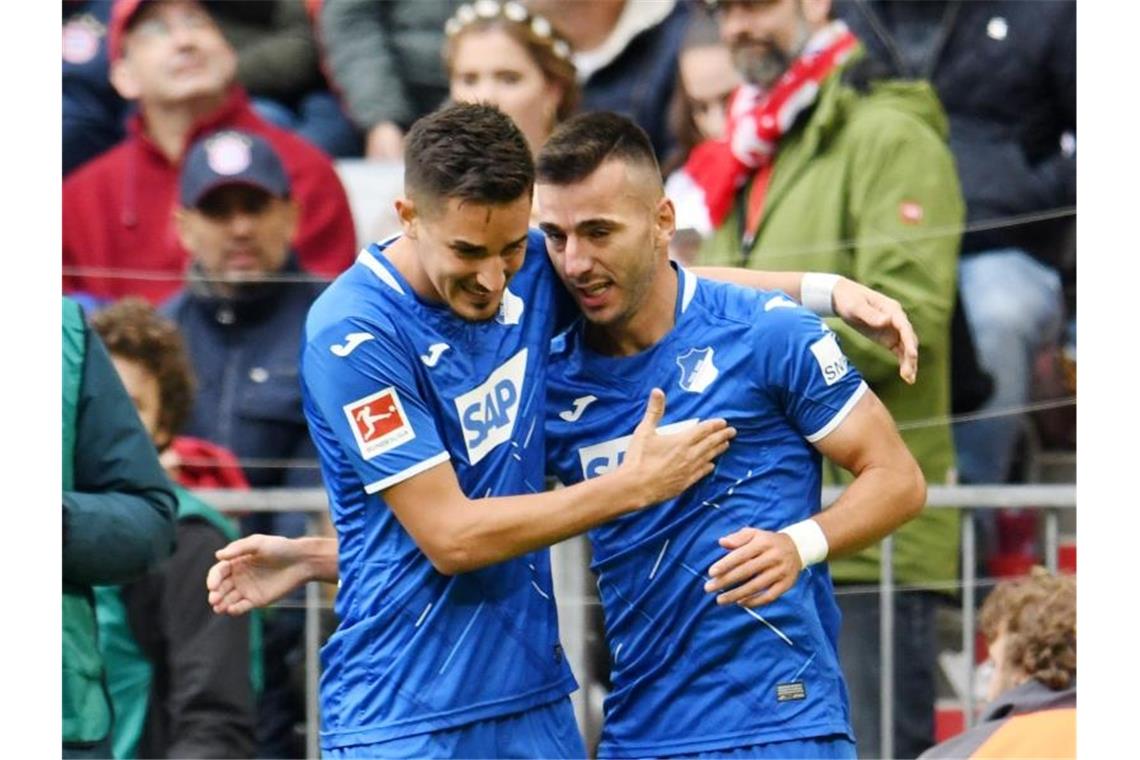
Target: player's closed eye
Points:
(558, 239)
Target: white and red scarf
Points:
(757, 119)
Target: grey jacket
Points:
(384, 57)
(1006, 734)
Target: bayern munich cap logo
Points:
(228, 153)
(231, 157)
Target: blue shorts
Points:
(834, 747)
(549, 731)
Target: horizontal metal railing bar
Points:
(1059, 495)
(1050, 497)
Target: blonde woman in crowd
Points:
(501, 53)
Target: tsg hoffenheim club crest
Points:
(697, 369)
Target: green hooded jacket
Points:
(118, 516)
(865, 186)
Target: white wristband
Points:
(815, 292)
(809, 540)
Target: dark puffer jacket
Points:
(1006, 72)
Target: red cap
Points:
(121, 14)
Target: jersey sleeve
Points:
(361, 383)
(815, 384)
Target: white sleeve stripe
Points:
(403, 475)
(840, 415)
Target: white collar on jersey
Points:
(367, 259)
(688, 286)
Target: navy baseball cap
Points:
(231, 157)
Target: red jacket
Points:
(118, 210)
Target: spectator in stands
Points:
(829, 168)
(1007, 75)
(278, 65)
(118, 521)
(706, 80)
(241, 314)
(383, 58)
(93, 113)
(181, 679)
(170, 57)
(1031, 627)
(625, 53)
(503, 54)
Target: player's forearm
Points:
(876, 503)
(319, 558)
(789, 282)
(487, 531)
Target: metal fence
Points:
(571, 578)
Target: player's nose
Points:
(576, 259)
(492, 275)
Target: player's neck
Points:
(648, 324)
(402, 254)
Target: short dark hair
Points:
(473, 152)
(584, 142)
(132, 329)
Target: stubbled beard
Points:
(761, 70)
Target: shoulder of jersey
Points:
(736, 301)
(357, 296)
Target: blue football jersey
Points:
(688, 675)
(394, 385)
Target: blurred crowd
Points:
(222, 162)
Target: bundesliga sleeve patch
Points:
(378, 422)
(832, 363)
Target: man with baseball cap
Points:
(173, 60)
(242, 311)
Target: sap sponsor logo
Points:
(697, 369)
(351, 341)
(488, 412)
(832, 363)
(575, 413)
(378, 422)
(510, 308)
(435, 350)
(602, 457)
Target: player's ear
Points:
(409, 218)
(665, 222)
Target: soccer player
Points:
(754, 671)
(424, 375)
